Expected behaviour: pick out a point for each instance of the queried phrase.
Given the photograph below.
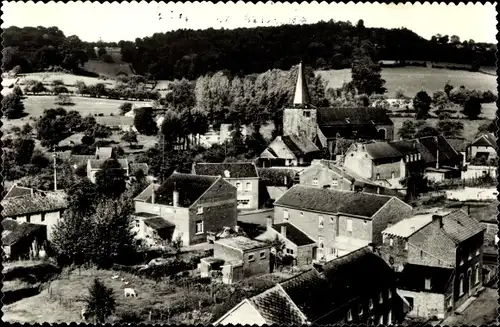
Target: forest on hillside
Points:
(190, 54)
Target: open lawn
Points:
(415, 79)
(48, 77)
(35, 105)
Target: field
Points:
(415, 79)
(108, 69)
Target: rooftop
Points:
(97, 163)
(332, 201)
(158, 223)
(145, 215)
(13, 231)
(408, 226)
(487, 139)
(293, 234)
(16, 191)
(226, 170)
(413, 278)
(36, 203)
(242, 243)
(189, 187)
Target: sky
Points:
(92, 21)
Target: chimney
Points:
(438, 219)
(283, 230)
(153, 194)
(175, 196)
(269, 222)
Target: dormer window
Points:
(427, 283)
(307, 113)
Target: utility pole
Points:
(54, 155)
(162, 169)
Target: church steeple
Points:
(301, 97)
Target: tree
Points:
(440, 99)
(83, 196)
(130, 137)
(447, 88)
(455, 39)
(472, 107)
(101, 302)
(125, 107)
(111, 179)
(484, 128)
(400, 94)
(19, 93)
(52, 127)
(407, 130)
(366, 76)
(422, 104)
(459, 95)
(450, 128)
(144, 121)
(426, 130)
(64, 100)
(12, 106)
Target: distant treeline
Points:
(190, 54)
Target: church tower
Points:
(300, 119)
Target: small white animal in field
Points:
(115, 277)
(130, 292)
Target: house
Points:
(95, 165)
(445, 239)
(289, 150)
(325, 125)
(440, 159)
(460, 145)
(327, 173)
(385, 163)
(104, 153)
(274, 182)
(194, 204)
(297, 244)
(484, 147)
(428, 290)
(338, 221)
(243, 175)
(38, 207)
(342, 291)
(241, 256)
(21, 240)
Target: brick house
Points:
(35, 207)
(194, 204)
(242, 258)
(297, 244)
(383, 162)
(451, 240)
(289, 150)
(327, 173)
(338, 293)
(243, 175)
(338, 221)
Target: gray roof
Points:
(97, 163)
(307, 198)
(36, 203)
(233, 169)
(242, 243)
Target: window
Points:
(137, 223)
(28, 218)
(389, 294)
(370, 304)
(289, 251)
(321, 222)
(199, 227)
(409, 299)
(335, 183)
(248, 186)
(421, 254)
(286, 215)
(360, 310)
(251, 257)
(389, 318)
(384, 237)
(405, 245)
(461, 285)
(378, 176)
(315, 182)
(380, 298)
(478, 250)
(450, 302)
(381, 320)
(320, 242)
(238, 186)
(243, 202)
(349, 225)
(43, 217)
(393, 175)
(262, 254)
(349, 315)
(391, 242)
(427, 283)
(306, 113)
(200, 210)
(477, 273)
(332, 219)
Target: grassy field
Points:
(415, 79)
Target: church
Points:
(308, 129)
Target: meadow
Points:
(415, 79)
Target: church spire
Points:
(301, 97)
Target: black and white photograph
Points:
(247, 163)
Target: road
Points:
(483, 311)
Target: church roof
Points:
(301, 96)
